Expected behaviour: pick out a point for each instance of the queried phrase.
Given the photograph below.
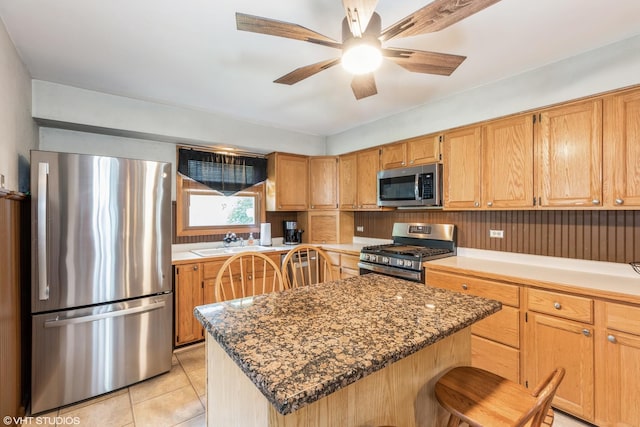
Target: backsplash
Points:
(612, 236)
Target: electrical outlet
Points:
(360, 228)
(1, 180)
(496, 234)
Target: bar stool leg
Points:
(453, 421)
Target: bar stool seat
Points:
(481, 398)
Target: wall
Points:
(81, 109)
(611, 67)
(612, 236)
(18, 132)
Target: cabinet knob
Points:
(312, 206)
(476, 204)
(250, 277)
(611, 338)
(586, 332)
(595, 201)
(619, 202)
(195, 268)
(557, 305)
(464, 286)
(489, 204)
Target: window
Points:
(203, 211)
(216, 193)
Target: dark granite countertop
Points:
(303, 344)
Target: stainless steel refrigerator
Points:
(101, 292)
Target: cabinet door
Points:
(393, 156)
(507, 166)
(553, 342)
(368, 166)
(291, 186)
(622, 373)
(423, 150)
(622, 150)
(462, 173)
(323, 227)
(323, 182)
(570, 156)
(188, 295)
(348, 179)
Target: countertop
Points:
(596, 278)
(303, 344)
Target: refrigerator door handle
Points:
(43, 184)
(55, 323)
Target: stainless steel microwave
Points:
(412, 186)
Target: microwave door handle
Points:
(416, 188)
(43, 190)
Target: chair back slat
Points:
(242, 276)
(306, 265)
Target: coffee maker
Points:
(292, 236)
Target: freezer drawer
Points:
(77, 354)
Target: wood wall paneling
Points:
(11, 389)
(595, 235)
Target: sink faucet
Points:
(228, 238)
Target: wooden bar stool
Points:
(480, 398)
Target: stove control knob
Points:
(407, 263)
(385, 260)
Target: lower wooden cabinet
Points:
(194, 286)
(596, 340)
(188, 294)
(556, 342)
(343, 265)
(495, 344)
(618, 367)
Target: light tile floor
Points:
(177, 398)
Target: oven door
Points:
(401, 273)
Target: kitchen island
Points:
(362, 351)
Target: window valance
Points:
(225, 173)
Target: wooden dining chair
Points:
(480, 398)
(246, 274)
(306, 265)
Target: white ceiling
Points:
(189, 53)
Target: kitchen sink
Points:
(231, 250)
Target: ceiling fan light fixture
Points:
(361, 58)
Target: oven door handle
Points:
(391, 271)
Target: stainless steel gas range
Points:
(413, 245)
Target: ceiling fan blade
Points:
(303, 72)
(434, 17)
(364, 85)
(358, 14)
(272, 27)
(419, 61)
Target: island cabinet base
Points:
(399, 395)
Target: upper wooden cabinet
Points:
(287, 182)
(359, 179)
(622, 150)
(507, 163)
(570, 155)
(462, 152)
(411, 152)
(323, 182)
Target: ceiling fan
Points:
(362, 38)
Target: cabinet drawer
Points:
(350, 261)
(503, 327)
(562, 305)
(625, 318)
(334, 257)
(496, 358)
(211, 268)
(506, 294)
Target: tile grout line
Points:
(133, 413)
